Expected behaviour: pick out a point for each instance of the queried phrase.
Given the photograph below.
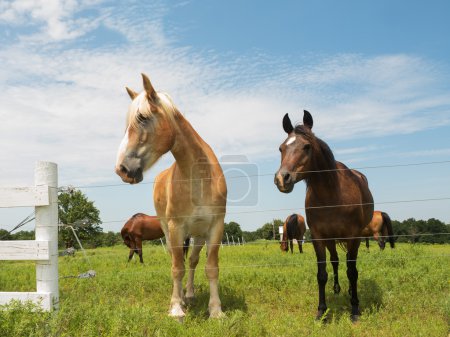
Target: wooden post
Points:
(46, 173)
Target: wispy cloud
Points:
(66, 102)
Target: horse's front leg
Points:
(139, 249)
(322, 276)
(352, 274)
(193, 261)
(176, 242)
(212, 269)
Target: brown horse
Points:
(293, 228)
(338, 202)
(380, 223)
(190, 197)
(142, 227)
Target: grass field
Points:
(403, 292)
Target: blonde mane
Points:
(140, 108)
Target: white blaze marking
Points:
(122, 147)
(290, 140)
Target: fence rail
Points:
(44, 250)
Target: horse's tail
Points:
(186, 247)
(291, 226)
(387, 222)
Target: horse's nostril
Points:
(123, 169)
(286, 178)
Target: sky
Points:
(374, 75)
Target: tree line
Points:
(77, 213)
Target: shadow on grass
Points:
(370, 300)
(231, 301)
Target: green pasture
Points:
(264, 292)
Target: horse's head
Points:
(296, 153)
(284, 245)
(149, 132)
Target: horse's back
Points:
(358, 194)
(148, 227)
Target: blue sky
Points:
(374, 75)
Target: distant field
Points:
(264, 292)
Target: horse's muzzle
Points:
(284, 181)
(130, 175)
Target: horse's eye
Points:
(307, 147)
(281, 150)
(141, 118)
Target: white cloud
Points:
(68, 104)
(57, 19)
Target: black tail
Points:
(186, 247)
(387, 222)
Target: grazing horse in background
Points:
(380, 223)
(293, 228)
(338, 202)
(142, 227)
(190, 197)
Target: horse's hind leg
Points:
(352, 274)
(300, 248)
(291, 245)
(334, 258)
(193, 261)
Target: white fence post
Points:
(46, 173)
(44, 249)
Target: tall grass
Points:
(264, 292)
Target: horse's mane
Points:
(140, 108)
(322, 158)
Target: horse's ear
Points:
(287, 125)
(132, 93)
(149, 87)
(307, 119)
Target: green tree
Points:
(76, 210)
(4, 235)
(233, 229)
(24, 235)
(111, 239)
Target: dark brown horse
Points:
(142, 227)
(380, 224)
(293, 228)
(338, 202)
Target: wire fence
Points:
(246, 176)
(362, 260)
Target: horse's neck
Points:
(324, 187)
(190, 149)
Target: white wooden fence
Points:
(44, 250)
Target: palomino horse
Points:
(380, 223)
(293, 228)
(142, 227)
(338, 202)
(190, 197)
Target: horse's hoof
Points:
(321, 316)
(216, 313)
(189, 300)
(354, 318)
(177, 312)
